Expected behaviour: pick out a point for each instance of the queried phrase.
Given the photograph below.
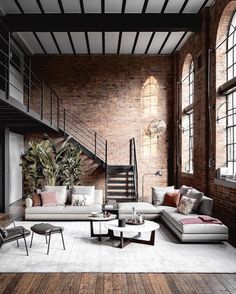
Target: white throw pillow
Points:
(88, 191)
(158, 194)
(61, 193)
(78, 200)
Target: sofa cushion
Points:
(186, 205)
(61, 192)
(184, 190)
(50, 199)
(158, 194)
(44, 210)
(82, 209)
(205, 206)
(171, 199)
(197, 195)
(175, 217)
(141, 207)
(89, 191)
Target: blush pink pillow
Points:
(49, 199)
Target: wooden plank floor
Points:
(109, 283)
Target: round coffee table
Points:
(148, 226)
(100, 219)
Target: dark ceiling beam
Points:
(164, 6)
(71, 42)
(145, 6)
(102, 6)
(103, 42)
(149, 43)
(55, 42)
(82, 6)
(180, 40)
(39, 42)
(123, 6)
(19, 6)
(87, 42)
(164, 42)
(61, 6)
(203, 6)
(113, 22)
(40, 6)
(183, 6)
(135, 43)
(119, 42)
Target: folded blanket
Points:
(198, 220)
(207, 218)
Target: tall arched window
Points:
(187, 115)
(226, 95)
(231, 99)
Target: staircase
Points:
(120, 183)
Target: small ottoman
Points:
(46, 229)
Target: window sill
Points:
(187, 175)
(225, 183)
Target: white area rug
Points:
(86, 254)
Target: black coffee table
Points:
(46, 229)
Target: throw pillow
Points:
(61, 192)
(185, 205)
(50, 199)
(88, 191)
(3, 232)
(158, 194)
(78, 200)
(172, 199)
(36, 199)
(195, 194)
(184, 190)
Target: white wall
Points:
(16, 148)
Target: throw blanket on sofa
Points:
(202, 219)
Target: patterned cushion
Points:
(88, 191)
(195, 194)
(185, 205)
(78, 200)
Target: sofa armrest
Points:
(205, 206)
(98, 196)
(28, 202)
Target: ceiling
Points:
(106, 42)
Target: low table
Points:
(100, 219)
(148, 226)
(46, 229)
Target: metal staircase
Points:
(40, 108)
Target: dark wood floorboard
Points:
(108, 283)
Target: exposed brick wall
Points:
(204, 176)
(105, 92)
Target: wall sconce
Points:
(157, 173)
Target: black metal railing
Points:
(82, 133)
(19, 82)
(133, 162)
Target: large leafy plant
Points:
(45, 162)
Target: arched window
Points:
(187, 115)
(231, 100)
(226, 96)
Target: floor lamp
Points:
(157, 173)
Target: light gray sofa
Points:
(186, 233)
(63, 212)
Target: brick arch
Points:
(186, 64)
(220, 67)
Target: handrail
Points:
(133, 162)
(39, 96)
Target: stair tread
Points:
(109, 187)
(119, 193)
(120, 181)
(119, 176)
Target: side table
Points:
(99, 219)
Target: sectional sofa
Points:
(206, 232)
